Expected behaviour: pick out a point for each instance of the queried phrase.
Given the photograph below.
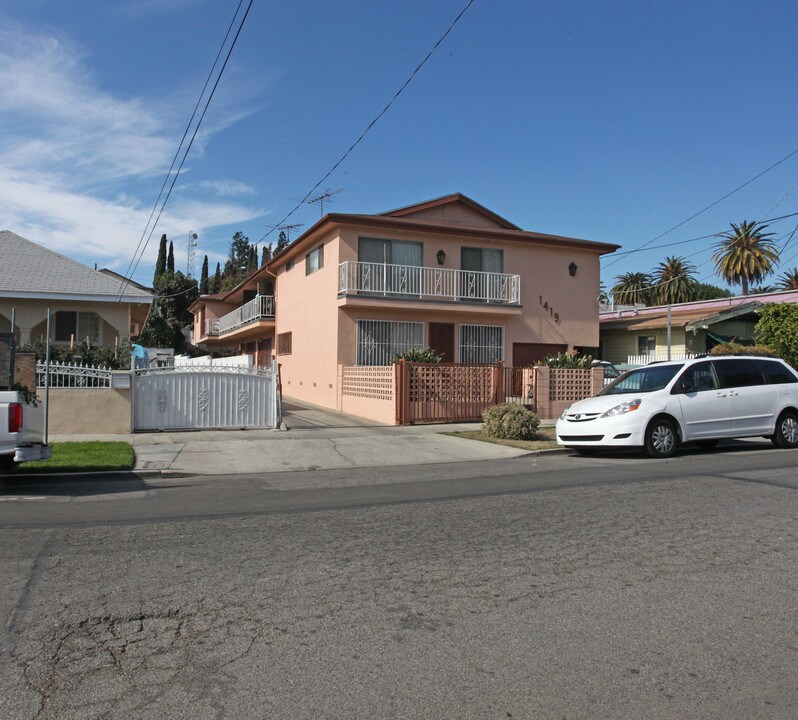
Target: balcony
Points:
(408, 282)
(261, 308)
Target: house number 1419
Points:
(549, 308)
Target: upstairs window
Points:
(314, 260)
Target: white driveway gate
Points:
(192, 397)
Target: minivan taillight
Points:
(14, 417)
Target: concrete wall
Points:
(89, 411)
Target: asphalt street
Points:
(552, 587)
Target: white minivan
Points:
(660, 406)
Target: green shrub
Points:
(732, 348)
(567, 360)
(510, 421)
(777, 327)
(420, 355)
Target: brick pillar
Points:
(25, 370)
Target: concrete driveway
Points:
(315, 439)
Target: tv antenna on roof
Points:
(325, 197)
(286, 228)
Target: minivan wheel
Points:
(786, 435)
(661, 439)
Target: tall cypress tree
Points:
(160, 263)
(266, 254)
(170, 259)
(217, 279)
(203, 286)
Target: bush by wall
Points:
(420, 355)
(510, 421)
(567, 360)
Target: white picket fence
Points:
(658, 356)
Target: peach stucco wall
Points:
(323, 326)
(307, 308)
(544, 279)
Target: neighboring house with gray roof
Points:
(85, 303)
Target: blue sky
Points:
(606, 121)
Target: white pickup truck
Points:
(21, 429)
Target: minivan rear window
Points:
(775, 373)
(738, 372)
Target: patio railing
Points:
(427, 283)
(261, 308)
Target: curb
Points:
(91, 475)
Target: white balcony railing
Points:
(427, 283)
(261, 308)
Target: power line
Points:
(135, 261)
(374, 121)
(711, 205)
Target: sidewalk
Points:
(316, 439)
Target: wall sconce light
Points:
(572, 268)
(441, 257)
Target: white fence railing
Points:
(408, 281)
(658, 356)
(66, 375)
(207, 361)
(217, 367)
(261, 308)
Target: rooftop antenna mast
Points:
(286, 228)
(325, 197)
(192, 245)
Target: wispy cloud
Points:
(225, 188)
(72, 156)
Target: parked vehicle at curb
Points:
(21, 430)
(21, 414)
(703, 400)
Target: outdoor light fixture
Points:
(441, 257)
(572, 269)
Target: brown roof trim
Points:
(339, 219)
(448, 200)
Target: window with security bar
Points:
(481, 344)
(380, 341)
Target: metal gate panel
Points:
(180, 400)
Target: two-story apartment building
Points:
(448, 274)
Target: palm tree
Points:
(789, 280)
(745, 255)
(672, 281)
(631, 288)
